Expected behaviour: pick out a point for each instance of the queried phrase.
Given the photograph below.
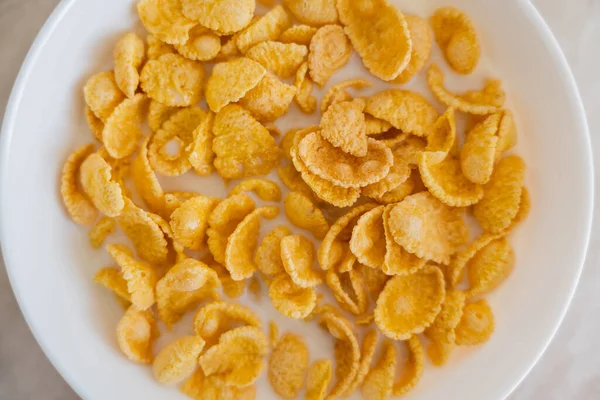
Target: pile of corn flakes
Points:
(381, 189)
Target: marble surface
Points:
(570, 368)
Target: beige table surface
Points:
(570, 369)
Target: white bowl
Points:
(51, 265)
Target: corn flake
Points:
(189, 222)
(338, 93)
(202, 45)
(102, 94)
(94, 123)
(318, 379)
(420, 35)
(177, 360)
(343, 125)
(268, 27)
(297, 255)
(330, 50)
(349, 290)
(98, 184)
(164, 20)
(441, 332)
(413, 370)
(128, 54)
(288, 365)
(112, 279)
(145, 180)
(136, 332)
(368, 239)
(313, 13)
(270, 99)
(305, 100)
(299, 34)
(79, 207)
(216, 318)
(231, 80)
(397, 261)
(291, 300)
(140, 277)
(156, 47)
(507, 133)
(379, 382)
(158, 114)
(201, 155)
(268, 254)
(476, 325)
(201, 387)
(442, 138)
(399, 173)
(369, 344)
(456, 268)
(375, 280)
(265, 189)
(301, 212)
(283, 59)
(478, 153)
(123, 131)
(224, 16)
(490, 267)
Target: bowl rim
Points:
(14, 100)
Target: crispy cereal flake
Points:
(98, 184)
(202, 45)
(421, 37)
(338, 92)
(288, 365)
(441, 332)
(476, 325)
(290, 299)
(318, 379)
(164, 20)
(79, 207)
(231, 80)
(102, 94)
(349, 290)
(283, 59)
(112, 279)
(189, 222)
(379, 381)
(297, 255)
(268, 254)
(265, 189)
(218, 317)
(140, 277)
(304, 85)
(302, 212)
(268, 27)
(128, 54)
(344, 126)
(270, 99)
(413, 370)
(313, 12)
(368, 238)
(224, 16)
(136, 332)
(330, 50)
(478, 153)
(201, 155)
(177, 360)
(490, 267)
(299, 34)
(397, 261)
(123, 131)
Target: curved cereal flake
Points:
(379, 34)
(165, 20)
(379, 382)
(455, 34)
(218, 317)
(318, 379)
(292, 179)
(128, 54)
(270, 99)
(502, 195)
(265, 189)
(507, 133)
(112, 279)
(156, 47)
(136, 332)
(413, 370)
(287, 142)
(313, 12)
(478, 152)
(122, 130)
(327, 255)
(158, 114)
(177, 360)
(304, 85)
(222, 222)
(283, 59)
(232, 289)
(302, 212)
(201, 155)
(147, 237)
(456, 268)
(145, 180)
(299, 34)
(490, 267)
(291, 300)
(94, 123)
(268, 254)
(348, 262)
(484, 102)
(446, 181)
(441, 332)
(243, 147)
(421, 37)
(367, 352)
(175, 249)
(241, 244)
(102, 94)
(189, 222)
(524, 209)
(428, 228)
(375, 281)
(397, 261)
(376, 126)
(410, 303)
(368, 240)
(97, 183)
(140, 277)
(201, 387)
(406, 110)
(297, 255)
(231, 80)
(224, 16)
(268, 27)
(330, 51)
(81, 210)
(202, 45)
(180, 128)
(338, 92)
(173, 80)
(238, 357)
(399, 173)
(343, 125)
(341, 169)
(442, 138)
(288, 364)
(476, 325)
(349, 290)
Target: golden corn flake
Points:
(290, 299)
(379, 34)
(231, 80)
(94, 123)
(102, 94)
(265, 189)
(441, 332)
(241, 244)
(428, 228)
(140, 277)
(268, 27)
(413, 369)
(367, 352)
(379, 382)
(201, 155)
(158, 114)
(145, 181)
(368, 239)
(173, 80)
(484, 102)
(502, 195)
(410, 186)
(301, 212)
(507, 133)
(201, 387)
(330, 50)
(175, 249)
(288, 365)
(406, 110)
(202, 45)
(216, 318)
(177, 360)
(333, 165)
(238, 357)
(490, 267)
(349, 290)
(224, 16)
(270, 99)
(297, 255)
(229, 48)
(190, 221)
(112, 279)
(97, 183)
(283, 59)
(476, 325)
(478, 153)
(79, 207)
(348, 262)
(343, 125)
(268, 254)
(318, 379)
(156, 47)
(164, 19)
(442, 138)
(128, 54)
(409, 304)
(420, 35)
(397, 261)
(338, 93)
(136, 332)
(305, 100)
(376, 126)
(455, 34)
(243, 147)
(459, 261)
(223, 220)
(399, 173)
(313, 13)
(524, 209)
(123, 131)
(299, 34)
